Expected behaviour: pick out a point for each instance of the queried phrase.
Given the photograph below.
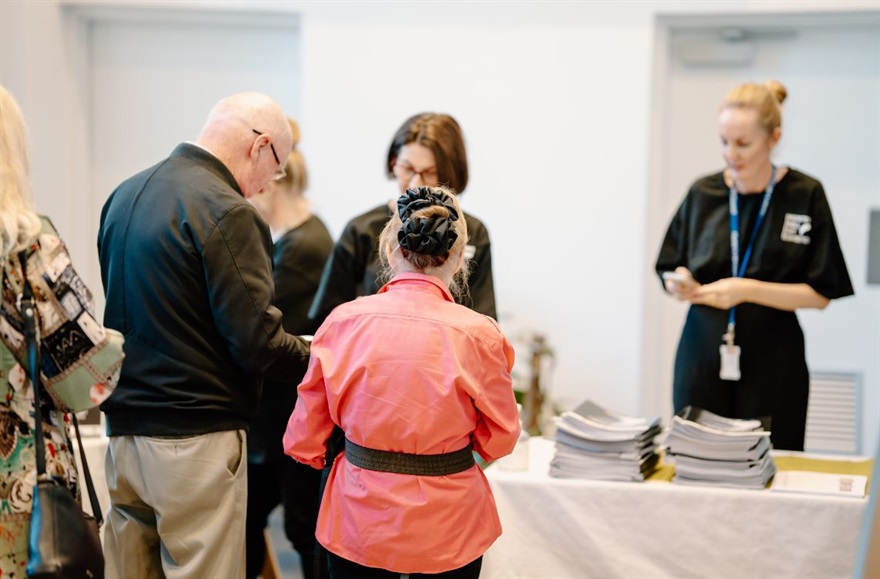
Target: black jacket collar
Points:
(206, 159)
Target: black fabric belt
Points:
(405, 463)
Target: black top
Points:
(797, 243)
(299, 257)
(353, 266)
(187, 273)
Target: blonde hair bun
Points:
(777, 89)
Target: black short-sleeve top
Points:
(353, 267)
(797, 243)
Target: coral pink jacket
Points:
(407, 370)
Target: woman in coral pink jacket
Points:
(417, 383)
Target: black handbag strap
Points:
(90, 487)
(29, 328)
(28, 315)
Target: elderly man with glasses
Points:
(186, 264)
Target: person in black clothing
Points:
(747, 247)
(427, 150)
(187, 272)
(302, 246)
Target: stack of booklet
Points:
(710, 449)
(595, 443)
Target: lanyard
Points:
(739, 269)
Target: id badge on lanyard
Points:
(729, 351)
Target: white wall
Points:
(554, 99)
(35, 66)
(545, 118)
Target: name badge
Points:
(730, 362)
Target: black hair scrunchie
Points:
(431, 236)
(415, 199)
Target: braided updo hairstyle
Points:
(427, 234)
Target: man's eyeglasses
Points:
(406, 172)
(280, 173)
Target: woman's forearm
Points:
(782, 296)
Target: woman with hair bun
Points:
(417, 383)
(748, 247)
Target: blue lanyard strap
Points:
(739, 269)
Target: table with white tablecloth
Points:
(581, 528)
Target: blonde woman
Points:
(748, 247)
(417, 383)
(301, 246)
(24, 231)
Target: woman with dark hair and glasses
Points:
(417, 383)
(427, 150)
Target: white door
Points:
(153, 77)
(831, 130)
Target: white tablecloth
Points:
(579, 528)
